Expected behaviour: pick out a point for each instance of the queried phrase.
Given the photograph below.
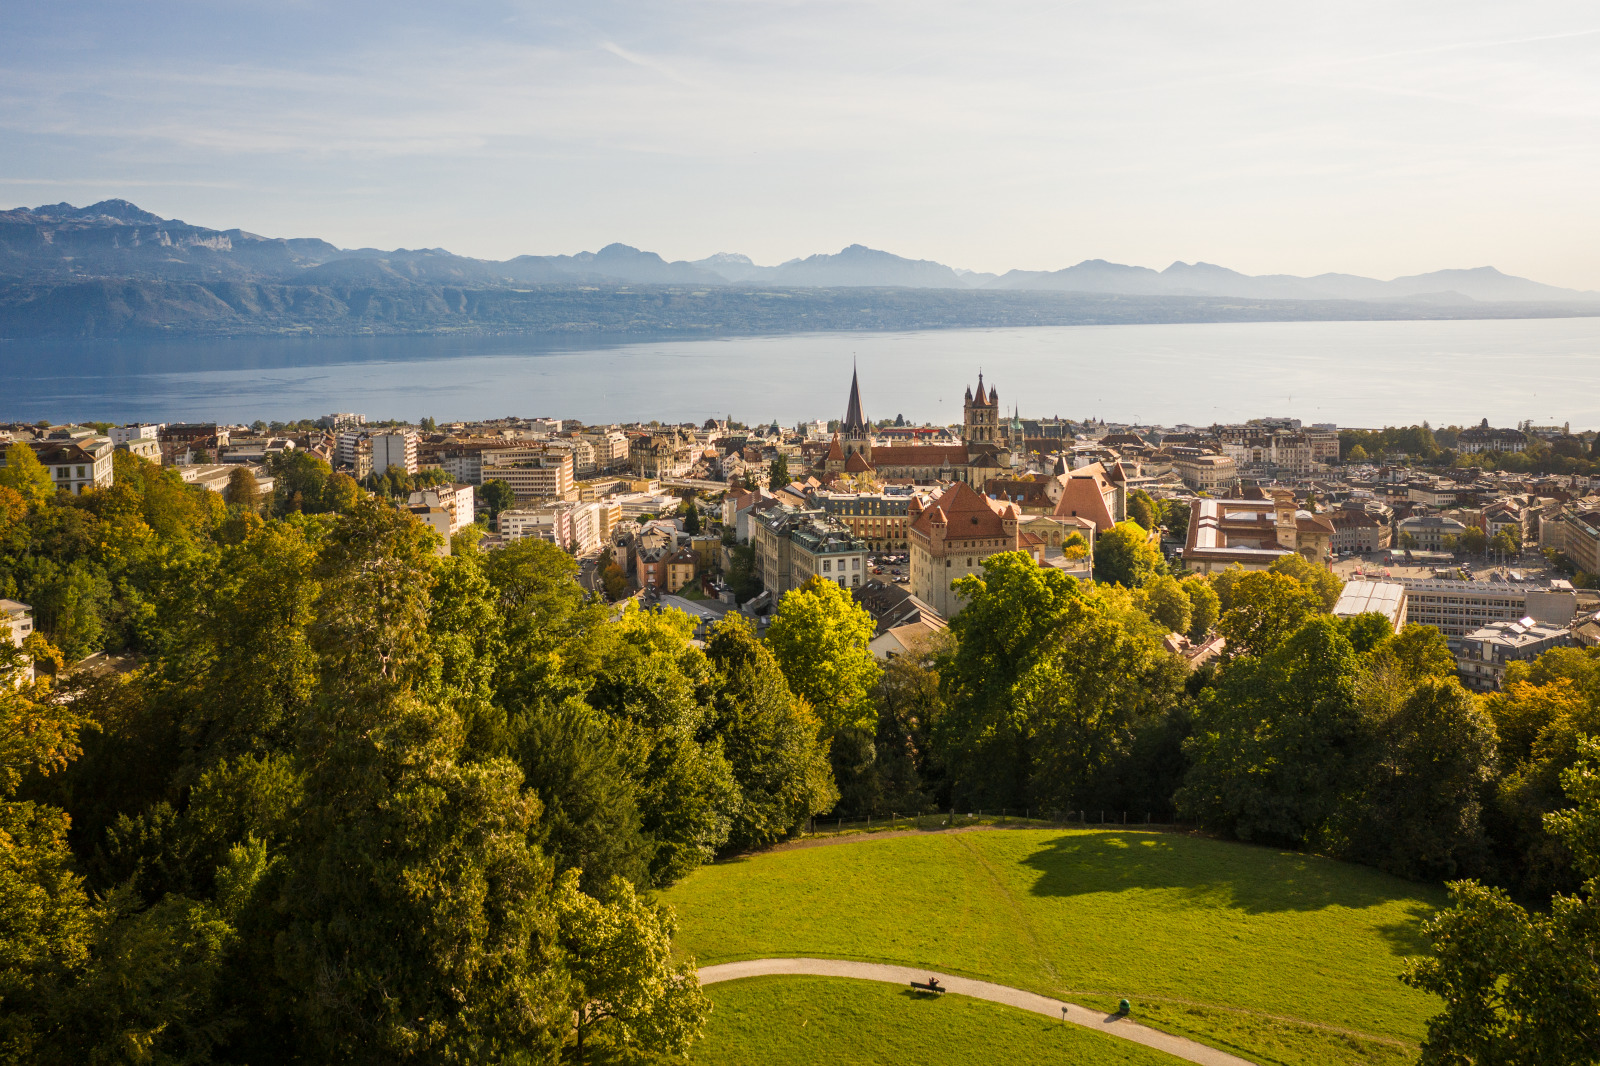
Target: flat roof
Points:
(1360, 597)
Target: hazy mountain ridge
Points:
(117, 239)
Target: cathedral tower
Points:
(981, 421)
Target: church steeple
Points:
(855, 423)
(856, 431)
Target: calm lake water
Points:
(1352, 373)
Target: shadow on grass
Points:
(1217, 874)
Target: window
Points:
(855, 564)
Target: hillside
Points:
(1278, 957)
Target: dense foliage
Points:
(340, 797)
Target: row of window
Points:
(827, 564)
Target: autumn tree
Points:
(25, 475)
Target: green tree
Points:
(819, 637)
(1123, 555)
(1272, 743)
(1164, 600)
(1521, 988)
(497, 494)
(1265, 609)
(591, 822)
(1474, 541)
(1030, 720)
(624, 988)
(1175, 518)
(778, 472)
(1204, 607)
(691, 518)
(770, 738)
(416, 913)
(1356, 454)
(1413, 808)
(1144, 510)
(25, 475)
(1326, 584)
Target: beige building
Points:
(952, 537)
(1214, 474)
(1254, 533)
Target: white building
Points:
(17, 618)
(135, 431)
(457, 499)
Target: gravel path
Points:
(1111, 1025)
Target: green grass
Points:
(1270, 954)
(824, 1021)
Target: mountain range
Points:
(115, 239)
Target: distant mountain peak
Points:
(105, 240)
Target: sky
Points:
(1375, 138)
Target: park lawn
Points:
(831, 1021)
(1231, 944)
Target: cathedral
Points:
(984, 451)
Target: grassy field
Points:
(822, 1021)
(1283, 958)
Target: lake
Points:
(1351, 373)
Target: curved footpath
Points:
(1111, 1025)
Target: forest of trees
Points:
(353, 800)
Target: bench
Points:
(930, 985)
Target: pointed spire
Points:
(854, 421)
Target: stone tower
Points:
(981, 424)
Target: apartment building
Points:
(398, 450)
(1358, 531)
(792, 547)
(136, 431)
(77, 459)
(531, 474)
(1575, 533)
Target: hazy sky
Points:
(1373, 138)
